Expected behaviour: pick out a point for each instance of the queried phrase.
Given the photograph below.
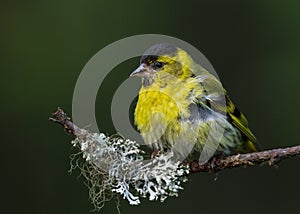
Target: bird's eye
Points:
(157, 65)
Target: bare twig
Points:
(61, 118)
(214, 164)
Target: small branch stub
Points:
(61, 118)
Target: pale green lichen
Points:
(114, 165)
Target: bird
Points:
(180, 104)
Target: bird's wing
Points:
(216, 99)
(238, 120)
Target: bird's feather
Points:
(187, 105)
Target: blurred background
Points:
(253, 45)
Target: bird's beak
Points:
(142, 71)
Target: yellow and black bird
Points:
(180, 101)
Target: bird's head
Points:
(162, 62)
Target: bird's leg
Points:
(157, 149)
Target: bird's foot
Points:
(155, 153)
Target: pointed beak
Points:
(142, 71)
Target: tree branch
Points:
(220, 163)
(215, 164)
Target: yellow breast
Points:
(153, 104)
(164, 105)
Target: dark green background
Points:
(253, 45)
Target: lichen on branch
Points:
(115, 165)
